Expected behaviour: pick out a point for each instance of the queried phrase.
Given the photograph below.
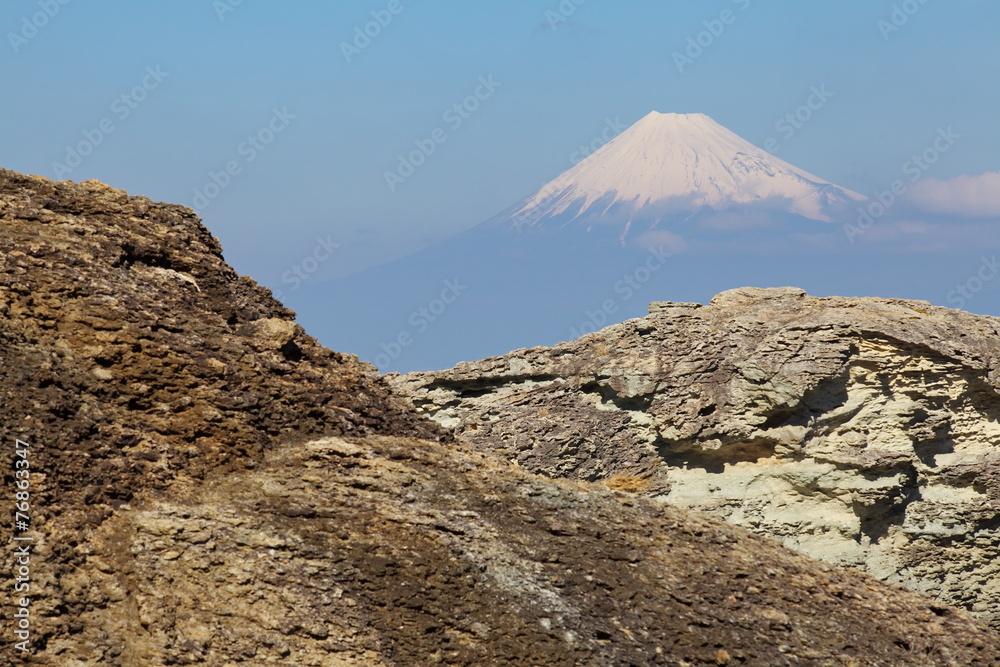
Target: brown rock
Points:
(232, 493)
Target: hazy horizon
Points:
(320, 141)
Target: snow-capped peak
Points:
(673, 163)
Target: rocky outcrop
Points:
(136, 362)
(865, 432)
(401, 552)
(209, 486)
(134, 355)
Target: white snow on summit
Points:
(674, 163)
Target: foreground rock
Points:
(135, 356)
(209, 486)
(862, 431)
(401, 552)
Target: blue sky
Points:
(228, 70)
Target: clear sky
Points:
(161, 95)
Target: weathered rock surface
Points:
(134, 355)
(209, 486)
(862, 431)
(400, 552)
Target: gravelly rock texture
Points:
(862, 431)
(135, 355)
(401, 552)
(209, 486)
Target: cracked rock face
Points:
(865, 432)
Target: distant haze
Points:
(675, 208)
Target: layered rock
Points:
(865, 432)
(209, 486)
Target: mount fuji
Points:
(668, 167)
(675, 208)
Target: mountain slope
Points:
(670, 165)
(677, 207)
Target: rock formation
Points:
(210, 486)
(865, 432)
(136, 356)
